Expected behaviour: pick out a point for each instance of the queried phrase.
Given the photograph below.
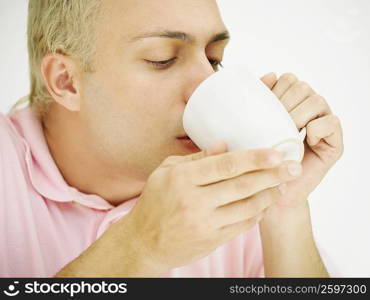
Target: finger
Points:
(230, 231)
(312, 108)
(242, 210)
(269, 80)
(231, 164)
(276, 193)
(248, 184)
(176, 159)
(296, 94)
(217, 148)
(170, 161)
(284, 83)
(327, 128)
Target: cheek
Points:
(144, 104)
(115, 116)
(155, 105)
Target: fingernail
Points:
(282, 188)
(294, 169)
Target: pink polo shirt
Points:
(45, 223)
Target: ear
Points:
(62, 80)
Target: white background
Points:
(325, 43)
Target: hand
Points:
(192, 204)
(324, 141)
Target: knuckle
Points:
(259, 156)
(198, 155)
(281, 174)
(252, 206)
(226, 166)
(263, 157)
(303, 86)
(250, 223)
(169, 160)
(242, 184)
(177, 174)
(319, 101)
(289, 77)
(310, 126)
(334, 120)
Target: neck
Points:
(82, 168)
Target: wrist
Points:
(287, 217)
(139, 261)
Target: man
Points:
(99, 179)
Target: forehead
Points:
(128, 19)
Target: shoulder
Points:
(12, 147)
(9, 137)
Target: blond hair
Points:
(59, 26)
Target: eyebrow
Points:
(178, 35)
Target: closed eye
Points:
(163, 63)
(166, 63)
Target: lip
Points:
(189, 144)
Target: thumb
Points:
(217, 148)
(269, 80)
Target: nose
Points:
(196, 75)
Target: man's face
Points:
(131, 108)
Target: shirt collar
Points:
(43, 172)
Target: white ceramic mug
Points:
(236, 107)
